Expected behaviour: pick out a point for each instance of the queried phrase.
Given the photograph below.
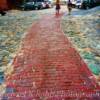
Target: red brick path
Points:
(49, 68)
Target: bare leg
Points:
(69, 10)
(58, 12)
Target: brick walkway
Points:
(49, 68)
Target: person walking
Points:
(69, 6)
(57, 7)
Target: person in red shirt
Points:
(57, 7)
